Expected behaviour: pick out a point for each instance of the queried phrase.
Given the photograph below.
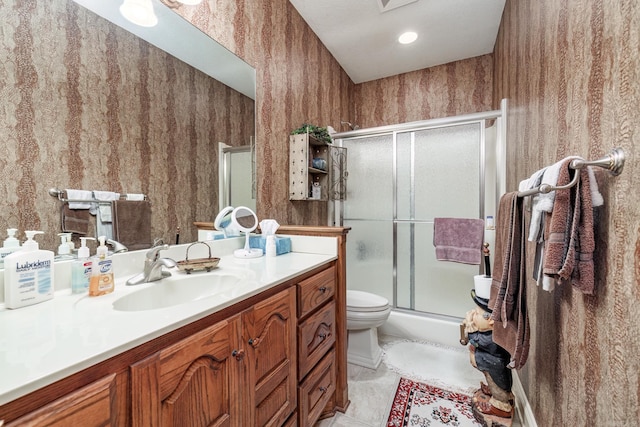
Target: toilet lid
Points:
(365, 301)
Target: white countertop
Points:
(46, 342)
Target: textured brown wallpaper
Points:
(86, 105)
(452, 89)
(298, 81)
(571, 71)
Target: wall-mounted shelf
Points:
(316, 169)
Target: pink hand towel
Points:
(458, 239)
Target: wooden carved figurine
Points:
(493, 402)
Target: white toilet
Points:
(365, 312)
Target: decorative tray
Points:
(198, 264)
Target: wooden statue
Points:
(493, 402)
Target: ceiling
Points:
(363, 38)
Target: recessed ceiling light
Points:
(408, 37)
(140, 12)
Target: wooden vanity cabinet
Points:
(212, 377)
(269, 337)
(192, 382)
(91, 405)
(316, 339)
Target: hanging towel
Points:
(458, 239)
(132, 223)
(508, 298)
(76, 221)
(556, 241)
(102, 210)
(135, 196)
(79, 195)
(568, 253)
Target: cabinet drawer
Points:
(316, 390)
(315, 336)
(93, 405)
(315, 290)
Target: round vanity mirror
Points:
(245, 220)
(223, 223)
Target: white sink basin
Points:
(181, 289)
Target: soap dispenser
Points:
(81, 268)
(101, 281)
(28, 274)
(10, 245)
(64, 251)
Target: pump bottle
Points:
(10, 245)
(101, 281)
(28, 274)
(81, 268)
(64, 250)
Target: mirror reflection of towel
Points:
(78, 221)
(132, 223)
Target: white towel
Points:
(135, 196)
(544, 201)
(596, 197)
(79, 195)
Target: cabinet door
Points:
(93, 405)
(269, 331)
(194, 382)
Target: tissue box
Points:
(283, 244)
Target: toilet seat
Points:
(359, 301)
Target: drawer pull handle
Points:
(253, 342)
(323, 389)
(323, 289)
(238, 354)
(322, 336)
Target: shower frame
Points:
(336, 211)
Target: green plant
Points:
(315, 131)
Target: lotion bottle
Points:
(10, 245)
(28, 274)
(101, 282)
(81, 268)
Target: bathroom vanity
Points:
(269, 350)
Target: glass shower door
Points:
(368, 210)
(438, 175)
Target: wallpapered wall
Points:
(299, 81)
(571, 71)
(86, 105)
(452, 89)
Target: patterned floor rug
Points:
(422, 405)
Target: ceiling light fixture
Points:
(408, 37)
(139, 12)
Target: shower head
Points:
(352, 127)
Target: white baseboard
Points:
(523, 409)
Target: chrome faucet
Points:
(117, 246)
(153, 267)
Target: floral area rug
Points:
(422, 405)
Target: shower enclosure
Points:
(400, 178)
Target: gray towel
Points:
(458, 239)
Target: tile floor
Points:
(371, 393)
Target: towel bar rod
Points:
(60, 195)
(613, 162)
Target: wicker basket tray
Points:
(198, 264)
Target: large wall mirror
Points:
(91, 101)
(180, 38)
